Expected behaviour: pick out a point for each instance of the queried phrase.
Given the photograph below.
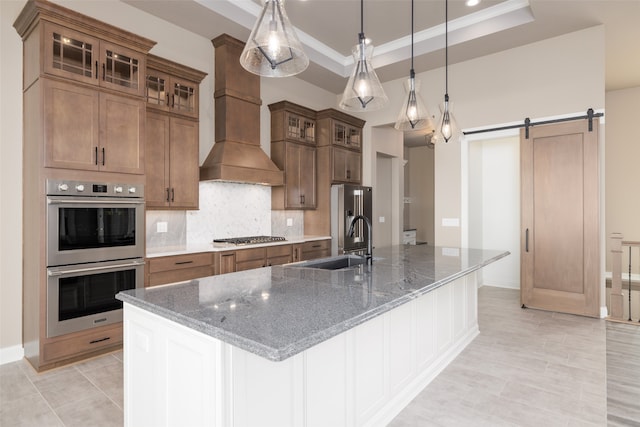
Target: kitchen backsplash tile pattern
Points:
(226, 210)
(229, 210)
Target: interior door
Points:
(560, 218)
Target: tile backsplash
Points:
(226, 210)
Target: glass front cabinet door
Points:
(171, 93)
(77, 56)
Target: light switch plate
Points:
(381, 219)
(289, 222)
(451, 222)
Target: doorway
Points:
(383, 201)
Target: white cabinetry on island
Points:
(297, 346)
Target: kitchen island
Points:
(298, 346)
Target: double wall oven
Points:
(95, 249)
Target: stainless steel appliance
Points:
(95, 249)
(347, 202)
(89, 222)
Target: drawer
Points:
(316, 245)
(278, 251)
(178, 262)
(243, 255)
(101, 338)
(179, 275)
(250, 264)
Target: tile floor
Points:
(86, 394)
(527, 368)
(623, 374)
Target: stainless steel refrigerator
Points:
(347, 202)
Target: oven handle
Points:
(87, 269)
(83, 201)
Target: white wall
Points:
(10, 184)
(494, 205)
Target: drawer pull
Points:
(184, 262)
(99, 340)
(316, 246)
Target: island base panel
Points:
(175, 375)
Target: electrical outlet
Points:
(289, 222)
(381, 219)
(162, 227)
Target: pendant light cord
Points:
(362, 17)
(446, 47)
(412, 36)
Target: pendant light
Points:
(364, 91)
(447, 126)
(413, 114)
(273, 48)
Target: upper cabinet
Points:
(340, 145)
(172, 137)
(172, 87)
(83, 90)
(89, 130)
(293, 150)
(78, 56)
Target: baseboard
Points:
(507, 285)
(11, 354)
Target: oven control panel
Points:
(93, 189)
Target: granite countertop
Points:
(277, 312)
(219, 247)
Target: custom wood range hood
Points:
(236, 155)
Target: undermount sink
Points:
(333, 263)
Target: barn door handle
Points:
(526, 240)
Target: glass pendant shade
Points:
(273, 48)
(364, 91)
(447, 128)
(413, 114)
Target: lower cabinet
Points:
(81, 344)
(246, 259)
(311, 250)
(178, 268)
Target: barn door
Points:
(560, 218)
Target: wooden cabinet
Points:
(74, 55)
(342, 135)
(171, 162)
(247, 259)
(299, 163)
(346, 166)
(84, 115)
(311, 250)
(172, 138)
(293, 141)
(89, 130)
(339, 157)
(178, 268)
(172, 87)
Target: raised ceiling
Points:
(328, 30)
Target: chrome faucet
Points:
(369, 255)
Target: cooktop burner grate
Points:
(250, 240)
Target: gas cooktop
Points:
(251, 240)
